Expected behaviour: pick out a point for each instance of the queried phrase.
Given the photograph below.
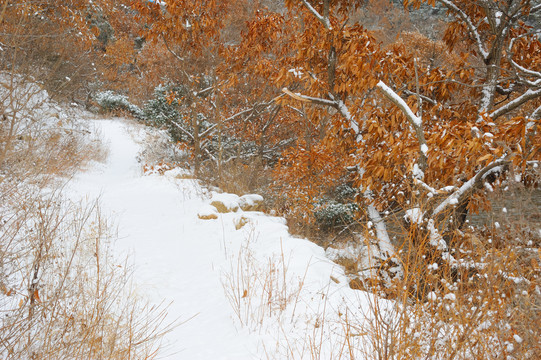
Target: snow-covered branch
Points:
(414, 120)
(536, 114)
(344, 111)
(512, 105)
(469, 186)
(324, 20)
(336, 104)
(181, 128)
(471, 27)
(309, 99)
(398, 101)
(524, 70)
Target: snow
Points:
(497, 17)
(250, 201)
(450, 297)
(415, 216)
(424, 149)
(435, 238)
(240, 292)
(225, 202)
(400, 103)
(417, 172)
(296, 72)
(207, 212)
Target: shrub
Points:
(111, 101)
(159, 110)
(332, 214)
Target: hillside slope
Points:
(250, 293)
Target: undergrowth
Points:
(63, 295)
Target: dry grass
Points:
(483, 304)
(63, 295)
(259, 290)
(239, 177)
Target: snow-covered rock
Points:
(240, 221)
(207, 212)
(251, 202)
(225, 202)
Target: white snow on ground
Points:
(280, 292)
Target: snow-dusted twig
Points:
(181, 128)
(510, 106)
(425, 186)
(336, 104)
(414, 120)
(309, 99)
(251, 111)
(466, 190)
(324, 20)
(536, 114)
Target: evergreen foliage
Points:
(111, 101)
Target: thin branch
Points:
(536, 115)
(324, 20)
(183, 130)
(469, 186)
(512, 105)
(425, 98)
(233, 117)
(204, 91)
(309, 99)
(170, 50)
(471, 27)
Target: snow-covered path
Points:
(175, 253)
(180, 258)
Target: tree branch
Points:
(181, 128)
(414, 120)
(536, 114)
(310, 99)
(471, 27)
(512, 105)
(324, 20)
(469, 186)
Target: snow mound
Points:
(207, 212)
(241, 221)
(179, 173)
(225, 202)
(251, 202)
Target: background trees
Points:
(347, 116)
(407, 126)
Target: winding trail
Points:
(290, 288)
(177, 256)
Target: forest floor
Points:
(238, 286)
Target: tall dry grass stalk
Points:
(483, 303)
(257, 289)
(63, 295)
